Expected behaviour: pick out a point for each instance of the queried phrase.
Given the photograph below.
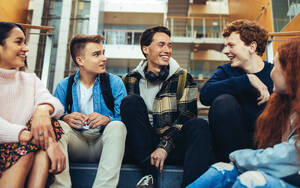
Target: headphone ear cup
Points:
(163, 74)
(151, 77)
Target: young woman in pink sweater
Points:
(28, 135)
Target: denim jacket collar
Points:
(77, 76)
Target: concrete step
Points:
(83, 175)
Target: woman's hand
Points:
(41, 128)
(56, 156)
(25, 136)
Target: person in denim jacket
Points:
(95, 133)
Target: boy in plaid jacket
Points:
(162, 126)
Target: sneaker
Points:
(146, 182)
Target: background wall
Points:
(14, 11)
(294, 25)
(211, 8)
(251, 10)
(260, 10)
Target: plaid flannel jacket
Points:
(169, 114)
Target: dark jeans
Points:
(193, 146)
(230, 130)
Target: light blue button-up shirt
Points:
(99, 106)
(281, 160)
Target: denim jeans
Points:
(226, 175)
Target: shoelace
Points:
(145, 180)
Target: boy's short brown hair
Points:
(249, 31)
(79, 42)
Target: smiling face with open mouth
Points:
(13, 51)
(236, 50)
(159, 51)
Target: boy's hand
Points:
(75, 120)
(262, 89)
(95, 120)
(158, 158)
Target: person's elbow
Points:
(205, 99)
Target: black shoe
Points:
(146, 182)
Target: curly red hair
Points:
(274, 120)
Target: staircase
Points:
(178, 8)
(83, 175)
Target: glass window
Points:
(284, 12)
(203, 70)
(79, 24)
(52, 18)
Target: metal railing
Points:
(196, 27)
(127, 37)
(191, 27)
(272, 35)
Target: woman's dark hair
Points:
(5, 28)
(147, 35)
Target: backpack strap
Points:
(123, 77)
(181, 84)
(69, 96)
(105, 88)
(106, 91)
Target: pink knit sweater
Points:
(20, 94)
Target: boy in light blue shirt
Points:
(95, 132)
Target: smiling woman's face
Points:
(13, 51)
(278, 77)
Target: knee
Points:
(28, 159)
(115, 129)
(250, 179)
(41, 158)
(196, 126)
(130, 102)
(221, 166)
(224, 101)
(223, 106)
